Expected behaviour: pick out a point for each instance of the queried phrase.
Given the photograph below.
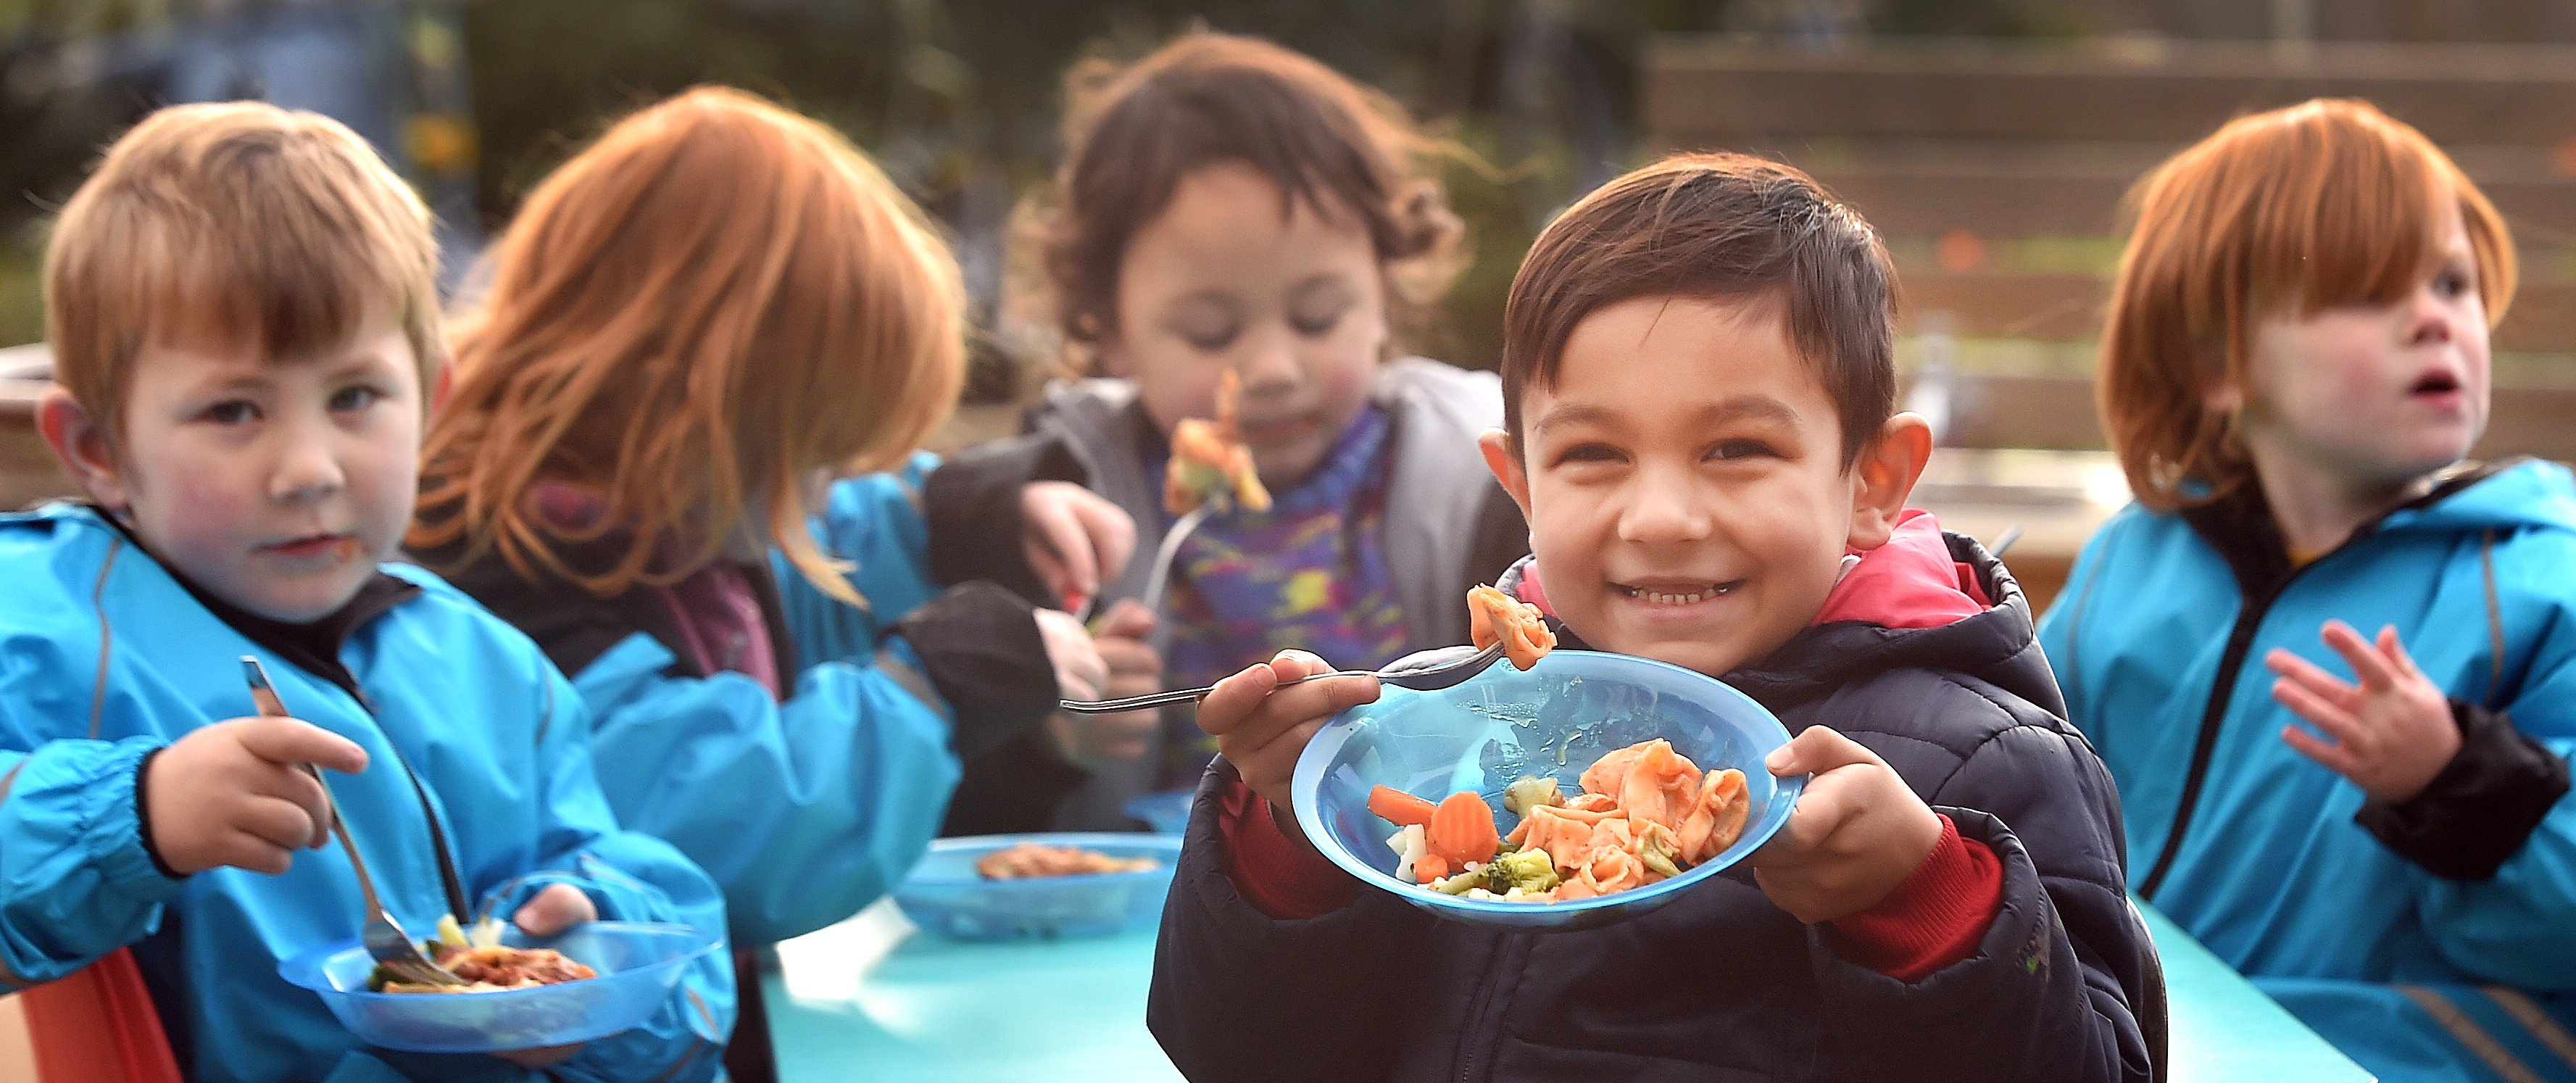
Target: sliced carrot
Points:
(1429, 867)
(1462, 830)
(1400, 808)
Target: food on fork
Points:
(1210, 462)
(1495, 617)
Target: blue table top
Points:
(874, 999)
(870, 999)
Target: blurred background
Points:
(1990, 140)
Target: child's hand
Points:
(1079, 671)
(1261, 728)
(1073, 538)
(1093, 741)
(236, 793)
(2390, 736)
(1858, 830)
(553, 910)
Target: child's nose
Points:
(2432, 318)
(306, 471)
(1270, 365)
(1664, 507)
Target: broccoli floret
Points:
(1527, 869)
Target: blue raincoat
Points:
(497, 737)
(2433, 939)
(805, 806)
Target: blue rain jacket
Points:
(2433, 939)
(498, 738)
(810, 807)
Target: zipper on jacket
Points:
(2240, 642)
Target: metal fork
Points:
(1158, 579)
(386, 942)
(1421, 677)
(1158, 576)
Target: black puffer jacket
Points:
(1721, 984)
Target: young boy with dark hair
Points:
(1700, 428)
(245, 333)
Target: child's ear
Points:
(81, 444)
(1884, 477)
(1506, 465)
(439, 390)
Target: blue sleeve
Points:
(75, 880)
(805, 811)
(629, 876)
(2520, 926)
(873, 524)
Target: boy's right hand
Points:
(236, 793)
(1261, 728)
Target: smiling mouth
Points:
(1678, 594)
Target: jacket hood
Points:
(2509, 495)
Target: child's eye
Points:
(1740, 449)
(230, 412)
(1313, 318)
(1588, 453)
(1314, 326)
(1209, 340)
(349, 399)
(2452, 282)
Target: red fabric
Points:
(100, 1008)
(1276, 874)
(1910, 582)
(1933, 919)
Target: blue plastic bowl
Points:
(1167, 812)
(638, 963)
(945, 895)
(1552, 721)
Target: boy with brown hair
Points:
(1700, 429)
(246, 334)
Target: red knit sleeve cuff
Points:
(1936, 917)
(1279, 876)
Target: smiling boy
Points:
(1698, 398)
(245, 334)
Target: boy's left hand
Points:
(2390, 735)
(557, 908)
(1858, 830)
